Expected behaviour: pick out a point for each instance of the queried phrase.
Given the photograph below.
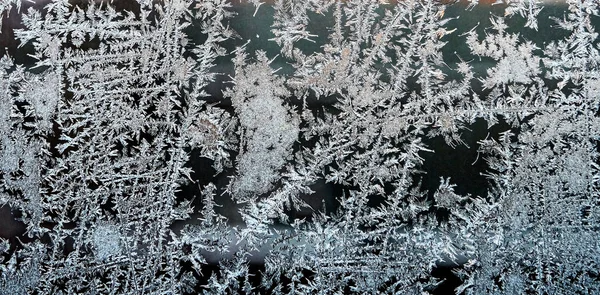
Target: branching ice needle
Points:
(256, 10)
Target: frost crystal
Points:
(106, 242)
(299, 147)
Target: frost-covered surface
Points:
(155, 148)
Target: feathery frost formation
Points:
(156, 147)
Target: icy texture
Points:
(152, 149)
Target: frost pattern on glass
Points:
(300, 147)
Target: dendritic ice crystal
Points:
(299, 147)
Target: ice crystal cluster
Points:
(300, 147)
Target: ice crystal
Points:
(300, 147)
